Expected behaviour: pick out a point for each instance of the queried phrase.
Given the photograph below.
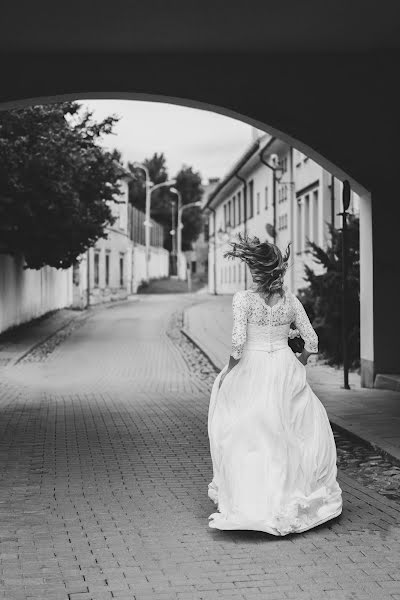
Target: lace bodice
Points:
(249, 307)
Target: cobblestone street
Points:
(104, 471)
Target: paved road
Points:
(105, 463)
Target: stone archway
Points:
(366, 223)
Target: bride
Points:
(271, 443)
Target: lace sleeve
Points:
(239, 330)
(305, 328)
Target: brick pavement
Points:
(372, 415)
(104, 471)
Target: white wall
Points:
(158, 264)
(28, 294)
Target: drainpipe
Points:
(245, 217)
(273, 190)
(332, 203)
(292, 208)
(215, 249)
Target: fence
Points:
(137, 228)
(26, 294)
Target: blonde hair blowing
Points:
(265, 260)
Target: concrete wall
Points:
(158, 264)
(28, 294)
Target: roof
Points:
(236, 167)
(256, 146)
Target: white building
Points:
(110, 261)
(303, 206)
(117, 264)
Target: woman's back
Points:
(249, 308)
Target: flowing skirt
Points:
(272, 448)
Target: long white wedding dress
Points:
(272, 447)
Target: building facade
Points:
(291, 202)
(115, 267)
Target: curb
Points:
(337, 422)
(44, 340)
(84, 314)
(198, 346)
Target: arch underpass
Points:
(319, 76)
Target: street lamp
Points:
(179, 231)
(277, 173)
(173, 235)
(210, 209)
(181, 207)
(150, 188)
(224, 235)
(346, 204)
(180, 226)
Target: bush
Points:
(322, 298)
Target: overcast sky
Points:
(208, 142)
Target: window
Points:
(121, 215)
(229, 213)
(251, 199)
(96, 269)
(121, 270)
(234, 211)
(266, 198)
(107, 269)
(315, 216)
(76, 273)
(258, 203)
(283, 164)
(239, 201)
(306, 221)
(282, 221)
(225, 216)
(299, 243)
(206, 231)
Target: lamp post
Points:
(181, 207)
(178, 231)
(215, 249)
(173, 235)
(150, 188)
(277, 173)
(180, 227)
(346, 204)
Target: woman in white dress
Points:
(272, 446)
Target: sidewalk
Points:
(372, 415)
(16, 343)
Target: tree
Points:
(55, 183)
(157, 168)
(188, 182)
(322, 298)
